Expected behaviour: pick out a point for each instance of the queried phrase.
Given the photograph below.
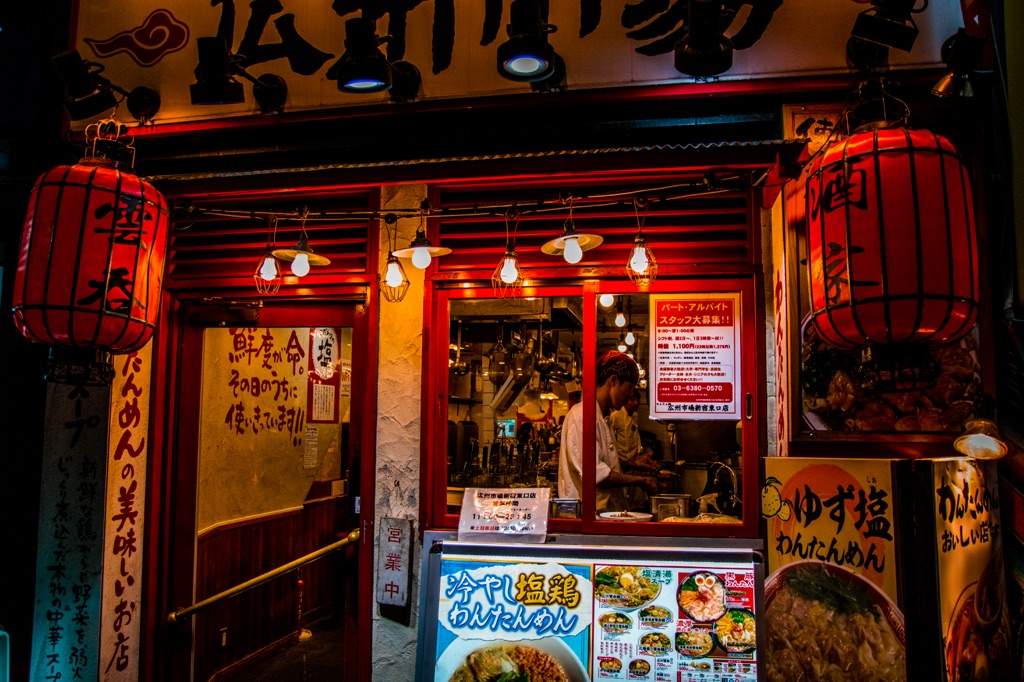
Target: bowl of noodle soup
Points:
(825, 622)
(548, 660)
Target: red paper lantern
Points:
(893, 254)
(91, 262)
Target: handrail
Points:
(175, 616)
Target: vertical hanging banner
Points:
(393, 560)
(65, 633)
(695, 352)
(324, 388)
(124, 520)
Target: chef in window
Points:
(617, 376)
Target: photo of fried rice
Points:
(702, 597)
(509, 663)
(823, 622)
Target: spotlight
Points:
(961, 53)
(888, 23)
(270, 91)
(527, 55)
(554, 81)
(363, 67)
(405, 81)
(89, 94)
(704, 51)
(214, 84)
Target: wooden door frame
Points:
(169, 550)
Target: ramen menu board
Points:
(674, 622)
(573, 620)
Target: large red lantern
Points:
(893, 254)
(91, 262)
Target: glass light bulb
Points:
(268, 271)
(630, 338)
(638, 262)
(509, 272)
(393, 277)
(620, 320)
(421, 257)
(606, 300)
(573, 254)
(622, 348)
(300, 266)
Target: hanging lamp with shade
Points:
(301, 256)
(268, 273)
(571, 245)
(642, 267)
(507, 278)
(420, 250)
(394, 284)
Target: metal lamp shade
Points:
(91, 261)
(892, 246)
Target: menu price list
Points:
(674, 623)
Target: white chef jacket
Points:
(570, 459)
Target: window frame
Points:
(435, 394)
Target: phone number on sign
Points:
(690, 392)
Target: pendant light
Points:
(620, 319)
(268, 274)
(572, 244)
(394, 284)
(420, 250)
(642, 267)
(301, 256)
(507, 278)
(630, 337)
(606, 300)
(622, 348)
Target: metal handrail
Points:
(175, 616)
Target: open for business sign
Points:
(695, 356)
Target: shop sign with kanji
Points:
(695, 356)
(393, 561)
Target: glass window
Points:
(669, 468)
(514, 370)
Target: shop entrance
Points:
(271, 426)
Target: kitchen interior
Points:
(514, 370)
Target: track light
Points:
(362, 67)
(704, 51)
(961, 53)
(889, 23)
(215, 82)
(527, 55)
(89, 94)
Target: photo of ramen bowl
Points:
(702, 597)
(546, 659)
(695, 643)
(857, 633)
(655, 644)
(615, 623)
(736, 631)
(624, 588)
(655, 617)
(639, 668)
(609, 664)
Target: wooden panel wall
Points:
(231, 554)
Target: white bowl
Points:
(456, 653)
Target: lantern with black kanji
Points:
(892, 248)
(91, 261)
